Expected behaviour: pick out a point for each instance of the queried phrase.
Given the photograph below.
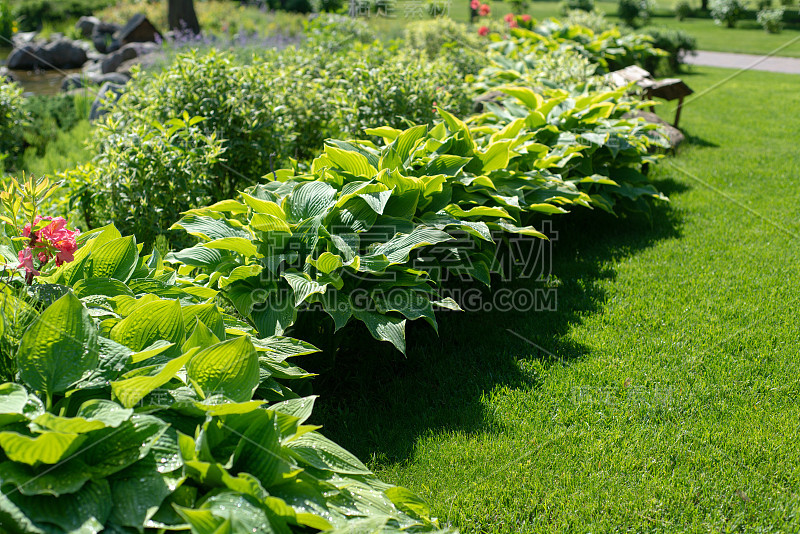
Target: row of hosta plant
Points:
(132, 402)
(372, 232)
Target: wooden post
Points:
(678, 112)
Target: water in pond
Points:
(41, 82)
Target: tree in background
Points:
(181, 16)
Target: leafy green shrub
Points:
(139, 404)
(8, 26)
(454, 42)
(771, 19)
(726, 12)
(676, 43)
(577, 5)
(594, 20)
(683, 10)
(144, 176)
(13, 119)
(51, 115)
(634, 12)
(32, 14)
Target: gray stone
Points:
(672, 134)
(21, 38)
(78, 81)
(86, 25)
(58, 54)
(108, 94)
(103, 37)
(129, 51)
(143, 61)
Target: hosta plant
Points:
(135, 403)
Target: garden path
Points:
(745, 61)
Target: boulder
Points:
(670, 132)
(21, 38)
(129, 51)
(143, 61)
(86, 25)
(79, 81)
(108, 94)
(103, 37)
(58, 54)
(138, 30)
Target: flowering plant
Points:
(42, 238)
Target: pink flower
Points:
(26, 260)
(483, 31)
(526, 18)
(512, 24)
(475, 4)
(508, 18)
(61, 238)
(484, 10)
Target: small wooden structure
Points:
(667, 89)
(138, 30)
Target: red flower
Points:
(483, 31)
(512, 24)
(484, 10)
(475, 4)
(26, 260)
(526, 18)
(508, 18)
(61, 239)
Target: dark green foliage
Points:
(32, 14)
(677, 43)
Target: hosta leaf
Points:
(110, 287)
(66, 477)
(240, 245)
(131, 390)
(114, 449)
(116, 259)
(259, 451)
(46, 448)
(303, 286)
(351, 162)
(136, 495)
(209, 228)
(316, 450)
(300, 408)
(229, 368)
(59, 347)
(496, 155)
(202, 337)
(209, 314)
(532, 101)
(309, 199)
(406, 141)
(83, 512)
(400, 246)
(16, 404)
(198, 256)
(384, 327)
(269, 223)
(264, 206)
(159, 320)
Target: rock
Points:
(65, 54)
(143, 61)
(58, 54)
(103, 37)
(21, 38)
(72, 81)
(138, 30)
(491, 96)
(130, 51)
(86, 25)
(108, 94)
(79, 81)
(672, 134)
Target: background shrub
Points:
(677, 43)
(33, 14)
(726, 12)
(771, 19)
(444, 38)
(580, 5)
(13, 118)
(683, 10)
(634, 12)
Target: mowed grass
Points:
(661, 396)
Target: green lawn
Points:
(662, 396)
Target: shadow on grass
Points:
(377, 403)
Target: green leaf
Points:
(109, 287)
(46, 448)
(114, 449)
(159, 320)
(229, 368)
(67, 477)
(116, 259)
(59, 347)
(240, 245)
(303, 286)
(131, 390)
(316, 450)
(384, 327)
(351, 162)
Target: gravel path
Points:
(745, 61)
